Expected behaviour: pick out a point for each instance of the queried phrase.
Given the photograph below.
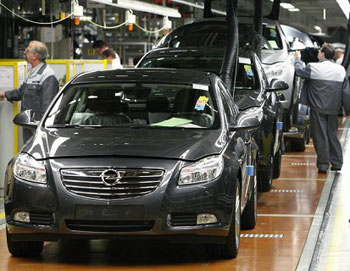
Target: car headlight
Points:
(28, 169)
(275, 71)
(204, 170)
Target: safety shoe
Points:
(336, 168)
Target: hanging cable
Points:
(151, 31)
(34, 22)
(70, 15)
(106, 27)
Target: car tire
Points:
(229, 249)
(24, 248)
(277, 161)
(250, 213)
(299, 145)
(265, 176)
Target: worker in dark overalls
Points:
(325, 82)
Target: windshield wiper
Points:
(73, 126)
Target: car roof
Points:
(194, 51)
(159, 75)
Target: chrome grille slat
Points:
(83, 181)
(110, 188)
(101, 183)
(108, 194)
(130, 182)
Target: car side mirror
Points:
(26, 119)
(248, 120)
(277, 85)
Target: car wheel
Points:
(277, 161)
(250, 213)
(24, 248)
(299, 144)
(265, 176)
(229, 249)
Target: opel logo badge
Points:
(110, 177)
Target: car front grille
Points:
(123, 183)
(110, 225)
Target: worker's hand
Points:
(297, 54)
(2, 96)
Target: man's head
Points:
(326, 52)
(109, 54)
(100, 46)
(36, 52)
(339, 52)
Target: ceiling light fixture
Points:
(142, 6)
(287, 5)
(198, 5)
(293, 9)
(324, 14)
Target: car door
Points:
(242, 139)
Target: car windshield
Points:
(134, 105)
(246, 77)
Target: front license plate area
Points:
(121, 212)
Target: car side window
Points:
(229, 107)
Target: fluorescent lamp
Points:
(324, 14)
(287, 5)
(345, 7)
(198, 5)
(142, 6)
(293, 9)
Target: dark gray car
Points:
(138, 153)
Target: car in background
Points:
(200, 46)
(278, 62)
(277, 59)
(135, 153)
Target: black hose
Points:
(207, 9)
(258, 27)
(226, 71)
(346, 59)
(275, 12)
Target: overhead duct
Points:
(207, 9)
(346, 59)
(258, 25)
(275, 12)
(226, 71)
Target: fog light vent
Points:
(183, 219)
(206, 219)
(22, 217)
(41, 218)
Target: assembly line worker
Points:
(39, 87)
(325, 83)
(101, 46)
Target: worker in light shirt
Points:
(101, 46)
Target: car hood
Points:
(126, 142)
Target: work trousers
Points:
(324, 132)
